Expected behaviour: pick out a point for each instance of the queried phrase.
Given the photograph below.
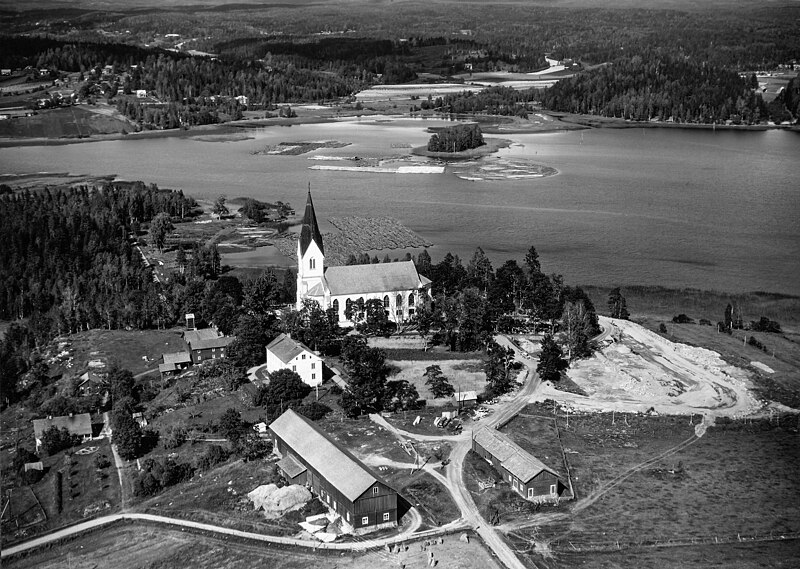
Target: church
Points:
(398, 285)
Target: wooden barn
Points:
(342, 482)
(524, 473)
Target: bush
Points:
(662, 328)
(682, 319)
(765, 325)
(756, 344)
(213, 456)
(174, 436)
(54, 440)
(314, 410)
(705, 322)
(101, 461)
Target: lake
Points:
(679, 208)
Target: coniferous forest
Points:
(70, 261)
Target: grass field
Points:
(128, 349)
(664, 303)
(464, 375)
(737, 480)
(68, 122)
(143, 546)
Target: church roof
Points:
(380, 277)
(310, 230)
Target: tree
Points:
(575, 330)
(223, 374)
(219, 206)
(367, 369)
(261, 294)
(55, 440)
(122, 384)
(127, 434)
(426, 319)
(436, 381)
(401, 396)
(231, 425)
(253, 332)
(551, 360)
(284, 388)
(424, 263)
(174, 436)
(498, 369)
(479, 271)
(376, 319)
(532, 262)
(616, 304)
(160, 227)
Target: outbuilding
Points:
(206, 344)
(525, 473)
(343, 483)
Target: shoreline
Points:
(492, 125)
(490, 146)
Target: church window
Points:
(312, 263)
(336, 308)
(411, 299)
(348, 306)
(399, 300)
(386, 301)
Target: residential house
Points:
(285, 353)
(207, 344)
(79, 425)
(526, 474)
(343, 483)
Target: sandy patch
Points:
(637, 369)
(762, 367)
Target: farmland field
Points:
(736, 481)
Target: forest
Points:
(658, 86)
(639, 64)
(456, 138)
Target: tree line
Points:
(656, 85)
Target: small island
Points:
(460, 141)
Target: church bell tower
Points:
(310, 253)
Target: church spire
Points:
(310, 230)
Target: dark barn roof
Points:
(512, 457)
(333, 462)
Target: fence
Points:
(568, 546)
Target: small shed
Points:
(466, 399)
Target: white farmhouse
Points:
(285, 353)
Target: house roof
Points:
(333, 462)
(92, 377)
(206, 338)
(310, 230)
(512, 457)
(466, 395)
(290, 466)
(286, 349)
(177, 358)
(380, 277)
(79, 424)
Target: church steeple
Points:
(310, 230)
